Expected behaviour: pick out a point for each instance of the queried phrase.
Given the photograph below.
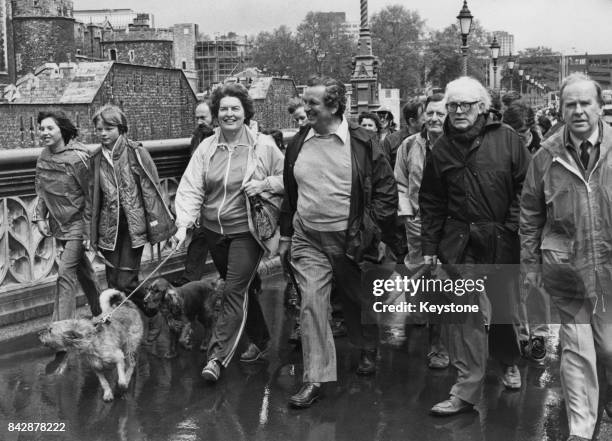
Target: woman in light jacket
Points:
(225, 175)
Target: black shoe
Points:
(338, 328)
(608, 405)
(308, 394)
(367, 362)
(292, 298)
(296, 335)
(537, 350)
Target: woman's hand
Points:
(180, 236)
(43, 228)
(253, 188)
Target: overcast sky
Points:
(568, 26)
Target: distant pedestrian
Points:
(386, 119)
(370, 122)
(197, 251)
(296, 110)
(413, 116)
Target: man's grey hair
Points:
(462, 84)
(578, 77)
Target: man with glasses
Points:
(469, 202)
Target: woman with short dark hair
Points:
(371, 122)
(128, 210)
(228, 175)
(62, 186)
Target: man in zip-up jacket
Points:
(566, 243)
(340, 199)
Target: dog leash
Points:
(107, 317)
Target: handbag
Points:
(264, 221)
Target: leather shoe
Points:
(511, 378)
(367, 362)
(308, 394)
(452, 406)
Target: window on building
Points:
(186, 31)
(113, 54)
(184, 65)
(131, 55)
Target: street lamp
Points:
(494, 55)
(465, 25)
(521, 72)
(511, 68)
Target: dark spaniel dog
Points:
(179, 309)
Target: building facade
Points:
(118, 18)
(159, 103)
(506, 43)
(216, 60)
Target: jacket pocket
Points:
(364, 244)
(559, 274)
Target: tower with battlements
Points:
(42, 31)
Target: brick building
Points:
(139, 44)
(271, 96)
(159, 103)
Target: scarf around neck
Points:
(465, 136)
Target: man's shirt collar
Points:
(594, 139)
(342, 132)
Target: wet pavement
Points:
(167, 399)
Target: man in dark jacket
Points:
(340, 196)
(195, 261)
(413, 112)
(469, 209)
(204, 128)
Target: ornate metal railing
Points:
(28, 260)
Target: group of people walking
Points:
(469, 187)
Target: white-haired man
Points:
(469, 202)
(566, 227)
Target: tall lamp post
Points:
(527, 76)
(465, 24)
(511, 68)
(494, 56)
(521, 72)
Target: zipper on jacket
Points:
(227, 170)
(118, 197)
(592, 226)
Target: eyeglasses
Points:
(465, 107)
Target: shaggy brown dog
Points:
(102, 345)
(181, 307)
